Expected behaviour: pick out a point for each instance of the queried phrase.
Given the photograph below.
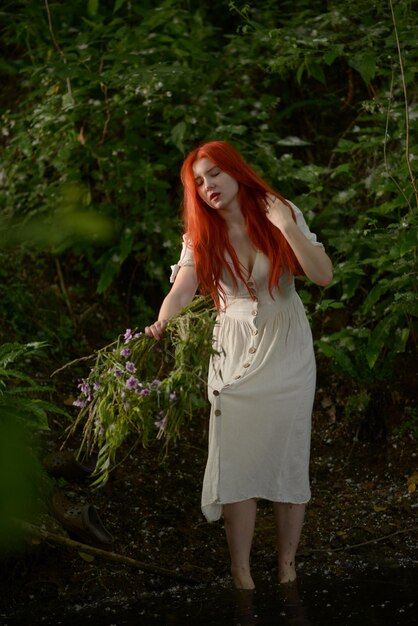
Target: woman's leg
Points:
(239, 520)
(289, 522)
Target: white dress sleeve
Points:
(300, 221)
(186, 258)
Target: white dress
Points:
(261, 389)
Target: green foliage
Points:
(24, 484)
(367, 188)
(410, 423)
(20, 402)
(355, 407)
(102, 100)
(152, 389)
(23, 416)
(108, 103)
(115, 98)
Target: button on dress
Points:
(261, 387)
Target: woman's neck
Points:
(233, 217)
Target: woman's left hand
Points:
(314, 261)
(279, 214)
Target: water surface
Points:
(371, 598)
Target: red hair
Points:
(205, 228)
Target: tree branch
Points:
(196, 576)
(355, 545)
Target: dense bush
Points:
(24, 410)
(103, 99)
(354, 69)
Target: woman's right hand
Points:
(156, 330)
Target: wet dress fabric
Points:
(261, 387)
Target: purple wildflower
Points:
(96, 386)
(125, 352)
(118, 373)
(137, 335)
(132, 382)
(172, 396)
(155, 383)
(79, 403)
(144, 392)
(84, 388)
(128, 335)
(130, 367)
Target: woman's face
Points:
(216, 188)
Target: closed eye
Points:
(212, 174)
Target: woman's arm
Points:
(313, 259)
(180, 295)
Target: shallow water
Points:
(373, 598)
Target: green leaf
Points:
(118, 5)
(177, 135)
(329, 57)
(344, 168)
(408, 241)
(375, 294)
(316, 71)
(351, 283)
(378, 339)
(24, 411)
(299, 72)
(106, 277)
(345, 145)
(325, 304)
(10, 352)
(400, 339)
(92, 7)
(341, 358)
(365, 64)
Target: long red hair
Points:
(205, 227)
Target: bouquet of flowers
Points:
(146, 387)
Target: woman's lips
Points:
(214, 196)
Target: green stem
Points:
(405, 93)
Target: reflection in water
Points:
(294, 610)
(285, 607)
(371, 597)
(243, 602)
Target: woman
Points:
(243, 245)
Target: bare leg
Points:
(239, 527)
(289, 522)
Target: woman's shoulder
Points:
(301, 222)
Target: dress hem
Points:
(218, 505)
